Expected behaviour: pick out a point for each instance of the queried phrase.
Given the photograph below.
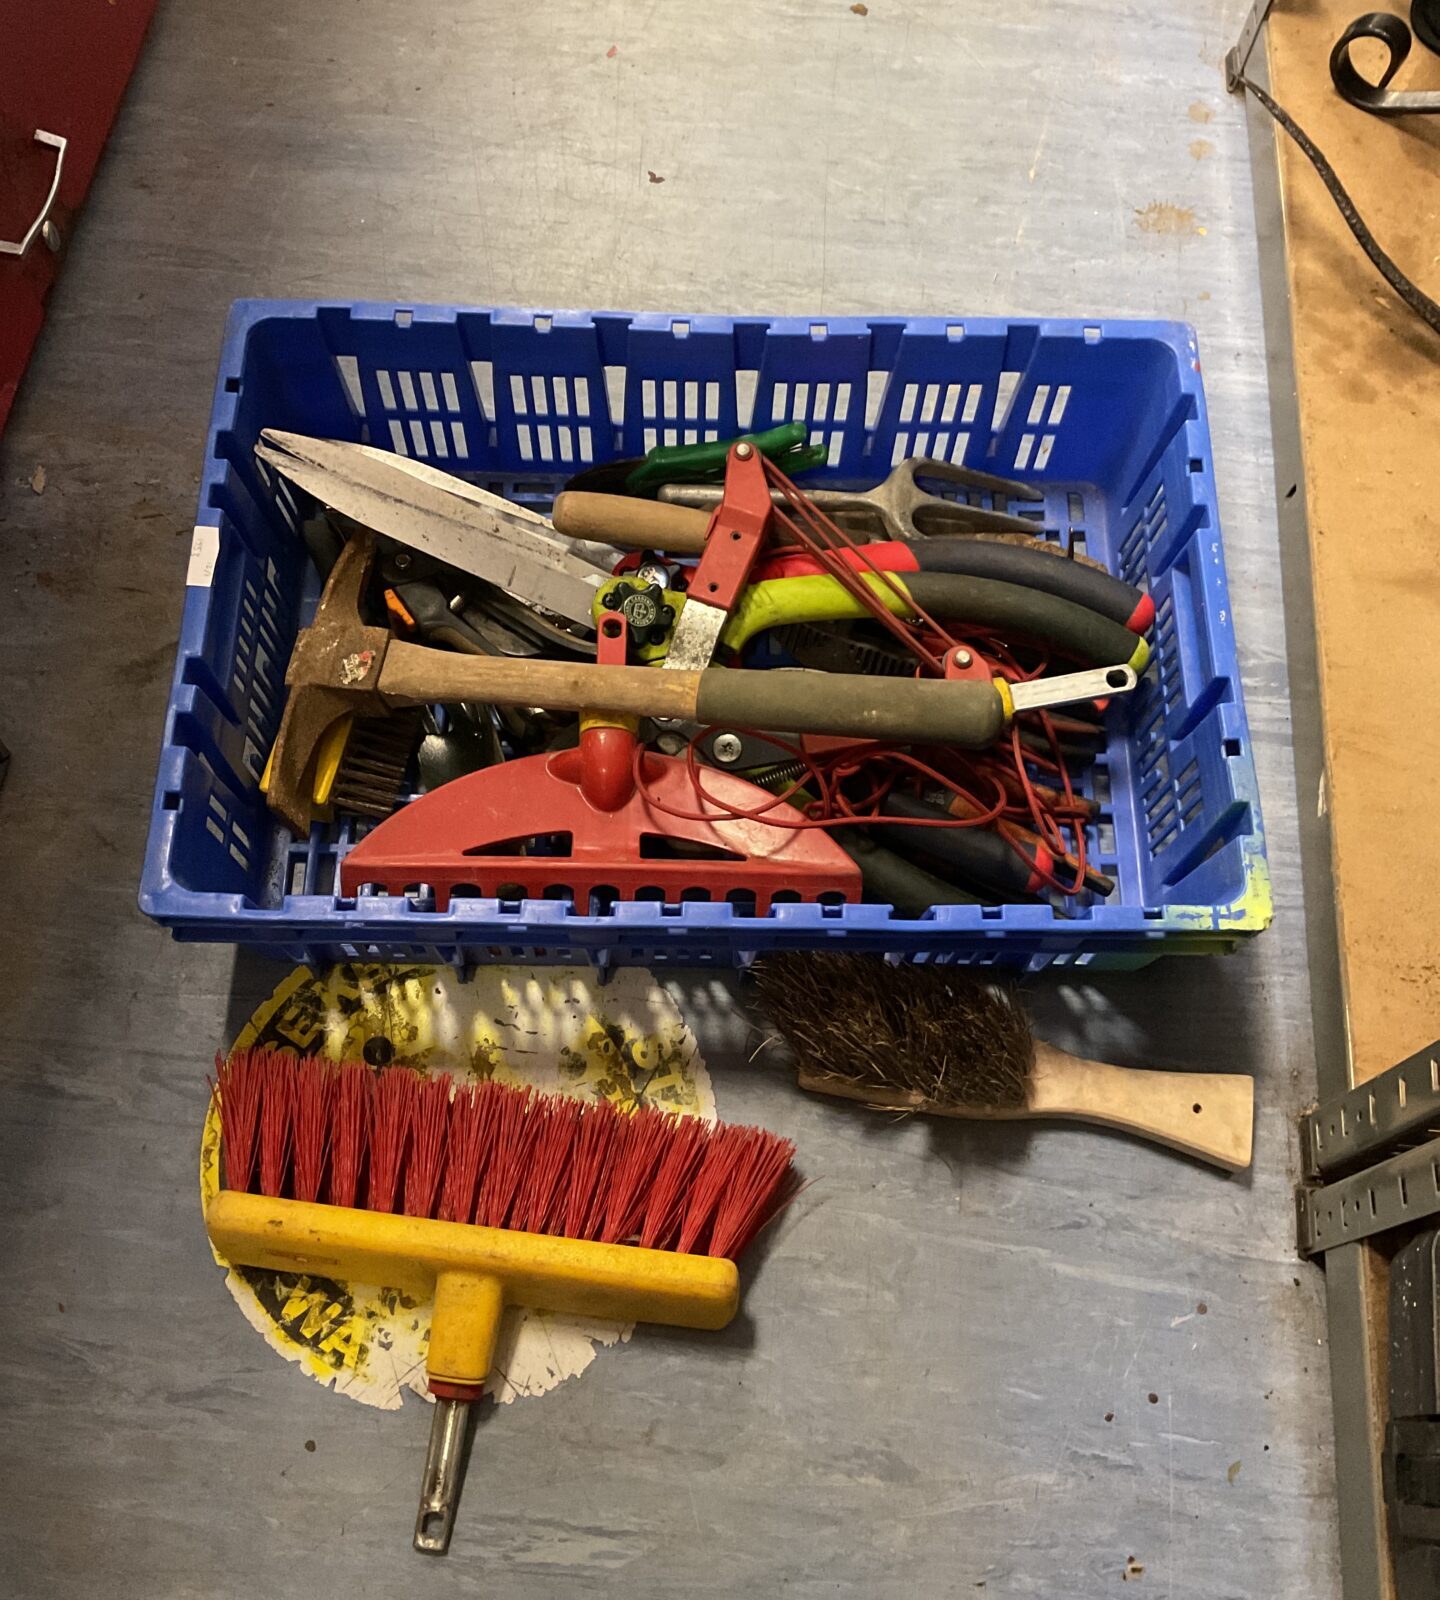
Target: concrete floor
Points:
(944, 1382)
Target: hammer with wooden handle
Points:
(341, 664)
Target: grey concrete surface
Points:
(973, 1360)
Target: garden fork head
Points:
(899, 497)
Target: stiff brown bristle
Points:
(496, 1156)
(935, 1032)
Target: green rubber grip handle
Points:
(907, 710)
(685, 463)
(1094, 640)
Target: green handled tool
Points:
(786, 445)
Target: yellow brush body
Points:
(474, 1272)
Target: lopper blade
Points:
(454, 521)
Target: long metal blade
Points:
(466, 527)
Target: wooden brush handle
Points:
(1209, 1115)
(629, 523)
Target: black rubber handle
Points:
(1072, 629)
(435, 622)
(893, 881)
(907, 710)
(1034, 569)
(978, 854)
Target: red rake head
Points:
(496, 1156)
(496, 834)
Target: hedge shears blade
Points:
(466, 527)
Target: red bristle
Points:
(755, 1192)
(491, 1099)
(429, 1123)
(509, 1155)
(707, 1188)
(632, 1168)
(685, 1147)
(500, 1156)
(314, 1091)
(276, 1120)
(590, 1151)
(391, 1104)
(544, 1183)
(462, 1156)
(237, 1086)
(615, 1147)
(350, 1131)
(277, 1110)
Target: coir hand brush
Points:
(935, 1039)
(486, 1196)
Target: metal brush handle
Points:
(440, 1485)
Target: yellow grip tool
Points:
(984, 602)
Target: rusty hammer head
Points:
(334, 670)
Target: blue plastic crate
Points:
(1107, 417)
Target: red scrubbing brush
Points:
(487, 1196)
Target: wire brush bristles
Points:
(928, 1030)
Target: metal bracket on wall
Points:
(1362, 1126)
(1238, 58)
(1406, 1188)
(1373, 1118)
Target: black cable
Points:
(1418, 301)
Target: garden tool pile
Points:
(698, 681)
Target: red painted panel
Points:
(64, 65)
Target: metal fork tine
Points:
(948, 472)
(902, 497)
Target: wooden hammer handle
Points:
(414, 675)
(925, 711)
(629, 523)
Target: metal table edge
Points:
(1364, 1541)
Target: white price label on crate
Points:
(204, 548)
